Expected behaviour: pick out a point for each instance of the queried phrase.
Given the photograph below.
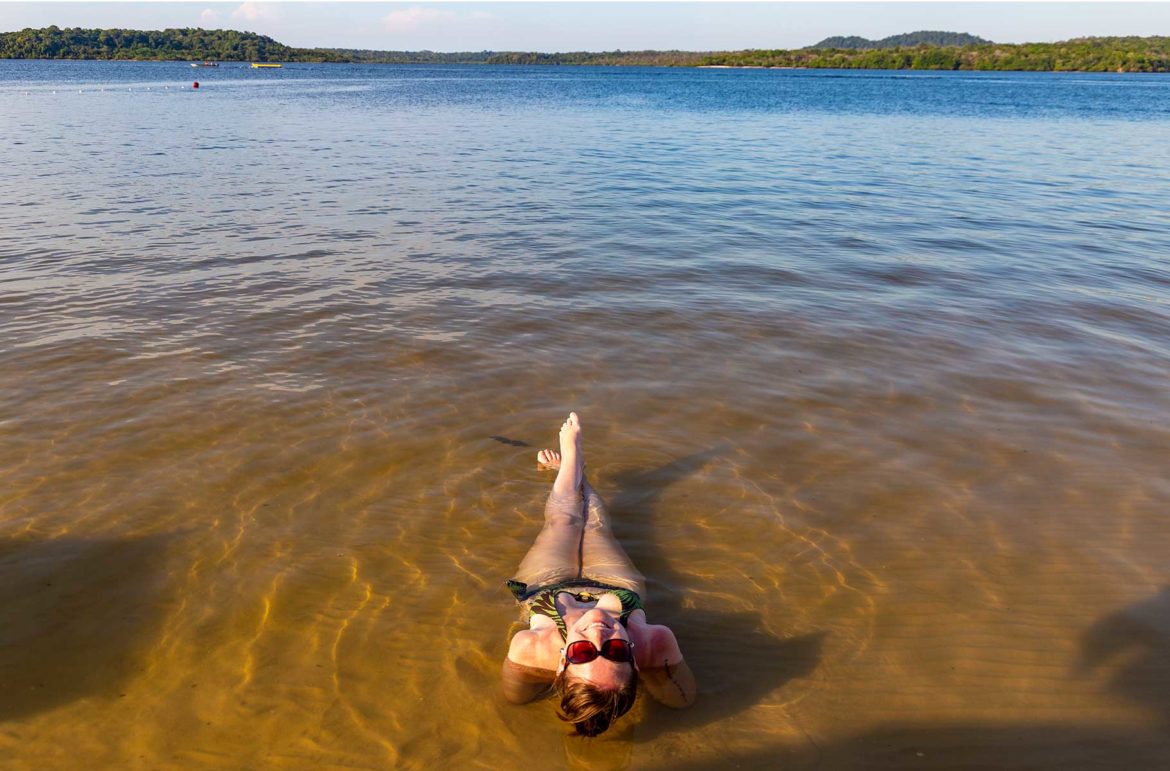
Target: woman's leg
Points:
(556, 554)
(602, 557)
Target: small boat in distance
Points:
(204, 64)
(258, 65)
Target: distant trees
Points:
(624, 58)
(168, 44)
(1113, 54)
(1101, 54)
(366, 56)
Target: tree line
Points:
(169, 45)
(1115, 54)
(605, 58)
(1101, 54)
(365, 56)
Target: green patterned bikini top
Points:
(543, 599)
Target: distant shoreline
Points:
(842, 67)
(743, 67)
(246, 65)
(1092, 54)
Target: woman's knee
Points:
(561, 515)
(560, 520)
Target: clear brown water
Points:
(873, 372)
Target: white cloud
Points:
(255, 11)
(411, 19)
(209, 17)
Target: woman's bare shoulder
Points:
(522, 680)
(530, 648)
(655, 641)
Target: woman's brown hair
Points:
(591, 709)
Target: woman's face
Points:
(597, 626)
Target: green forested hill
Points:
(168, 44)
(922, 37)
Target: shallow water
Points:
(872, 368)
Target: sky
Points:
(600, 26)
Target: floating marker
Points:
(195, 84)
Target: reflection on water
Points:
(873, 374)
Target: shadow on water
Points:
(75, 618)
(737, 662)
(962, 746)
(1134, 642)
(635, 496)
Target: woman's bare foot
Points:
(550, 459)
(572, 461)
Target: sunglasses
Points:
(614, 649)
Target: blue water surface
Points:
(1128, 96)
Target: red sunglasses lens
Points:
(580, 652)
(583, 651)
(616, 650)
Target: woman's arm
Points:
(661, 668)
(522, 681)
(524, 684)
(670, 684)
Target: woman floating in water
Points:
(587, 636)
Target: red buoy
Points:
(195, 85)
